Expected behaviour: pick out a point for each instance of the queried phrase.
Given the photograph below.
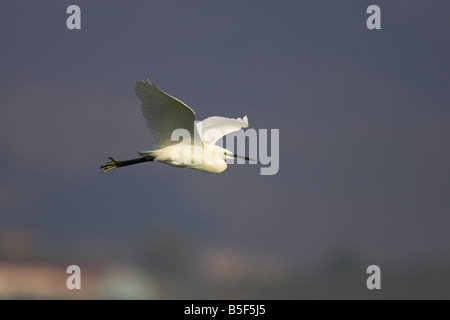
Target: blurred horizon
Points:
(364, 155)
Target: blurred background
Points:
(364, 150)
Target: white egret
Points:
(164, 114)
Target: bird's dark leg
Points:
(114, 163)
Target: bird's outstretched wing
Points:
(220, 126)
(163, 113)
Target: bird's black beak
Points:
(236, 156)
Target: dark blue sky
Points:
(363, 119)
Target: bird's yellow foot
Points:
(114, 163)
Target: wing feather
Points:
(220, 124)
(163, 113)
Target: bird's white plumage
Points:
(163, 113)
(221, 125)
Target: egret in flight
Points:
(164, 114)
